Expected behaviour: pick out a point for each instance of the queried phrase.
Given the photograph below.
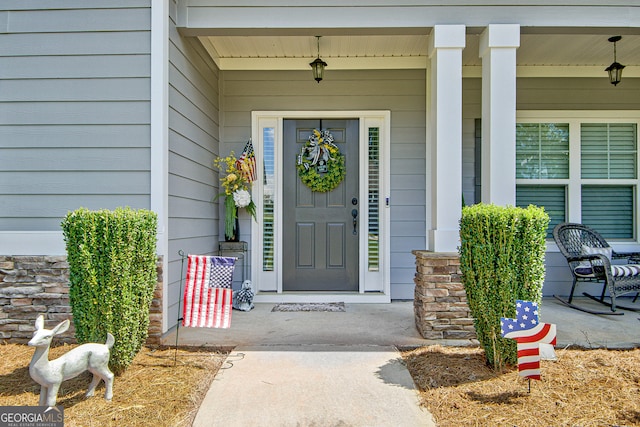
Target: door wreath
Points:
(321, 166)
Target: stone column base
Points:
(440, 302)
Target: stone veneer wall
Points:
(440, 302)
(33, 285)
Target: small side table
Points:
(238, 250)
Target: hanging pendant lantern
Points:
(615, 69)
(317, 66)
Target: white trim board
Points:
(36, 243)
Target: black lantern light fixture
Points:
(317, 66)
(615, 69)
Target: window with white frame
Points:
(581, 170)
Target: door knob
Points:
(354, 214)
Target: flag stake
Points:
(175, 353)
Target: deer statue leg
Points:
(43, 396)
(94, 382)
(52, 395)
(108, 393)
(107, 376)
(108, 382)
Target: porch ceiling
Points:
(409, 50)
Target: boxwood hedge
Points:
(502, 259)
(112, 273)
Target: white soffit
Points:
(539, 54)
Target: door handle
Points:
(354, 214)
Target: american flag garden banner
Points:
(529, 333)
(207, 292)
(246, 163)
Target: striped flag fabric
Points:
(246, 163)
(207, 294)
(529, 333)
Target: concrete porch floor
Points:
(393, 324)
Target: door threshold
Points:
(322, 297)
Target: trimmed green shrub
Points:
(112, 272)
(502, 259)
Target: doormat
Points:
(310, 306)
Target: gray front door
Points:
(319, 237)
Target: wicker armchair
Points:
(589, 257)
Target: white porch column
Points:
(160, 137)
(498, 44)
(444, 135)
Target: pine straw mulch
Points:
(582, 388)
(152, 391)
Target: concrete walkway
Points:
(343, 368)
(313, 386)
(313, 368)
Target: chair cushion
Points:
(582, 271)
(584, 268)
(626, 270)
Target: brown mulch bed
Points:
(152, 391)
(582, 388)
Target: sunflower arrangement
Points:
(235, 179)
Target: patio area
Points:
(393, 324)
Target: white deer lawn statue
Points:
(50, 374)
